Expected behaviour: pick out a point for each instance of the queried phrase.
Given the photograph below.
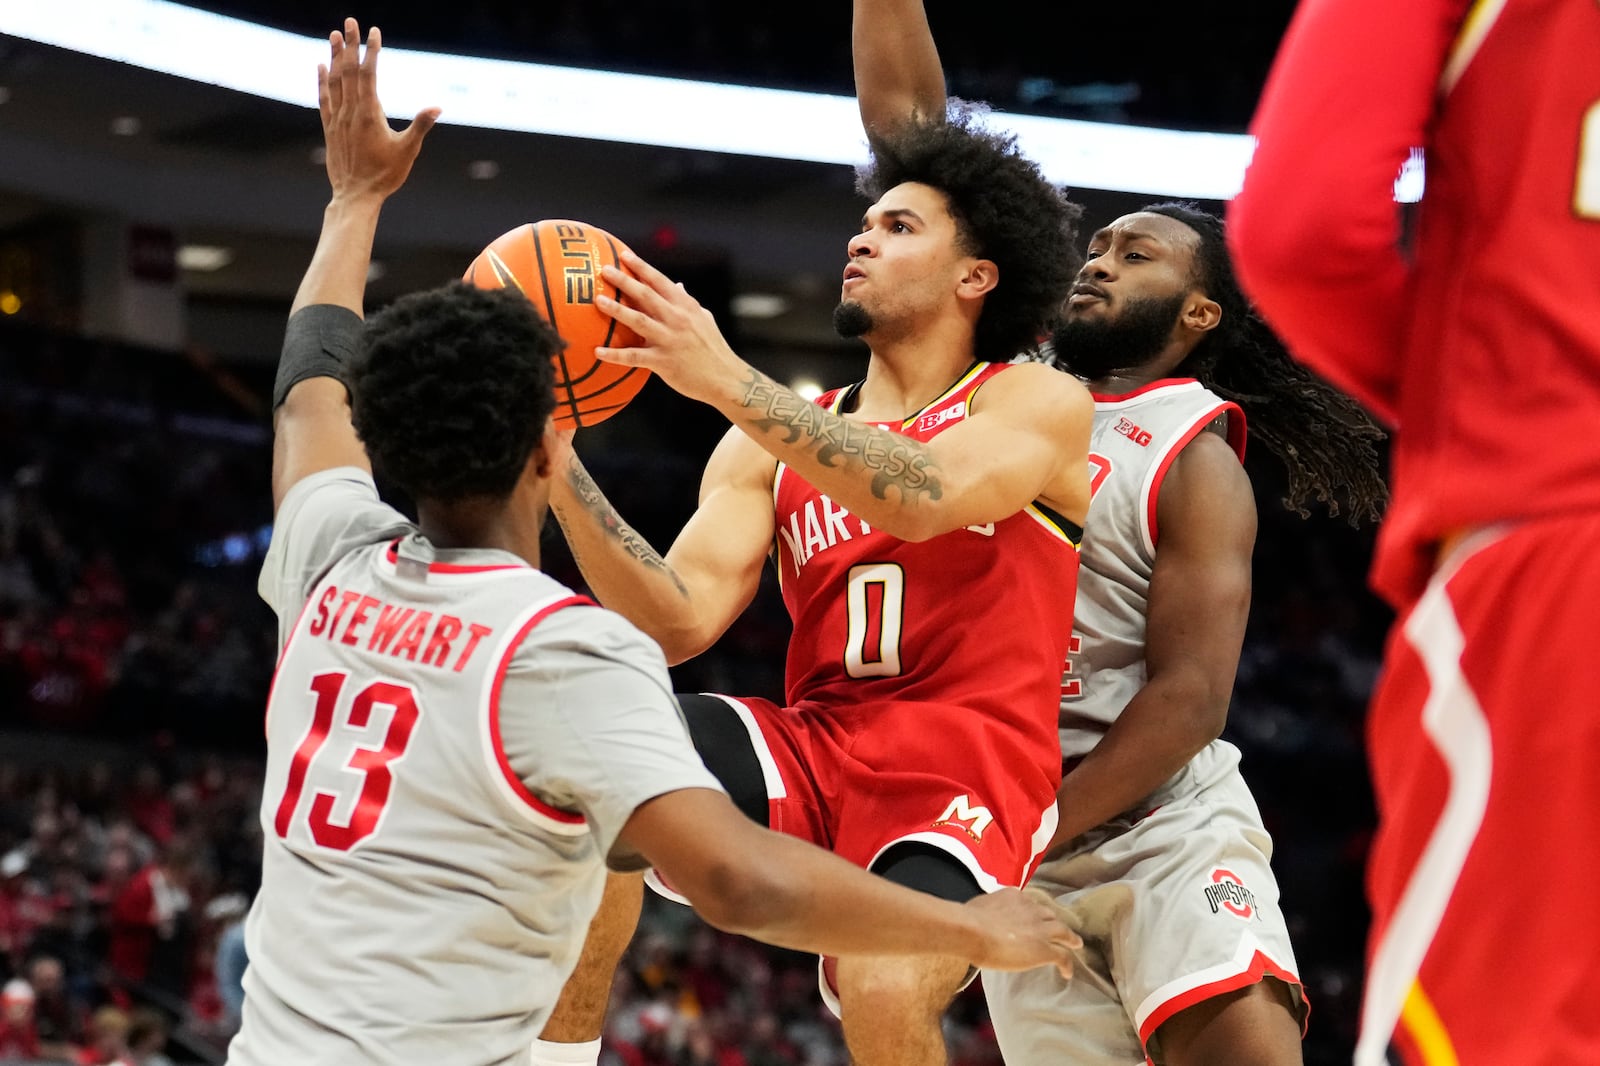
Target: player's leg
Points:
(1186, 952)
(1481, 738)
(572, 1034)
(1230, 994)
(892, 1009)
(1257, 1025)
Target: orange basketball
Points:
(556, 265)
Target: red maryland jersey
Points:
(978, 617)
(1483, 344)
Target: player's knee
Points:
(885, 988)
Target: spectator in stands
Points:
(18, 1036)
(108, 1039)
(147, 1038)
(58, 1020)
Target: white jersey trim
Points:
(770, 777)
(1251, 962)
(1455, 722)
(528, 806)
(1140, 396)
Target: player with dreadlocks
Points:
(1160, 852)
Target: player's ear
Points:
(543, 456)
(1201, 313)
(981, 275)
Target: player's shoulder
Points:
(738, 458)
(1208, 467)
(342, 483)
(1034, 383)
(574, 623)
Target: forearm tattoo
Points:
(595, 502)
(895, 462)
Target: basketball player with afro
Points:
(938, 497)
(457, 746)
(1159, 852)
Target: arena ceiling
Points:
(84, 137)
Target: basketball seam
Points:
(550, 317)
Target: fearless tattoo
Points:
(895, 461)
(595, 502)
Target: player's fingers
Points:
(624, 356)
(369, 65)
(334, 86)
(637, 291)
(421, 125)
(324, 105)
(632, 317)
(647, 273)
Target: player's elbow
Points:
(681, 644)
(740, 896)
(1197, 705)
(1270, 254)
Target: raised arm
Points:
(1315, 232)
(1027, 439)
(1199, 603)
(898, 74)
(687, 599)
(366, 162)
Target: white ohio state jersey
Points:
(1134, 441)
(454, 741)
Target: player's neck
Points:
(904, 378)
(492, 524)
(1124, 381)
(1130, 379)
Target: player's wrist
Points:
(980, 945)
(351, 203)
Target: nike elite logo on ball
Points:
(556, 264)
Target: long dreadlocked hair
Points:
(1327, 442)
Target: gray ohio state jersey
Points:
(454, 741)
(1134, 441)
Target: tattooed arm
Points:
(686, 599)
(1026, 437)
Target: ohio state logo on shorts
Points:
(1226, 892)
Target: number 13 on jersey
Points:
(364, 783)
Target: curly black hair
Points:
(451, 389)
(1328, 442)
(1005, 210)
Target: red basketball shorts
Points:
(893, 773)
(1484, 736)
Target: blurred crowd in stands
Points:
(134, 662)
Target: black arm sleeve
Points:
(318, 342)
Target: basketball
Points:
(556, 264)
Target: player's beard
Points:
(1093, 348)
(851, 320)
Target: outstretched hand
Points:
(1025, 929)
(683, 345)
(365, 157)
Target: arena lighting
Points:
(600, 105)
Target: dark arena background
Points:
(152, 231)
